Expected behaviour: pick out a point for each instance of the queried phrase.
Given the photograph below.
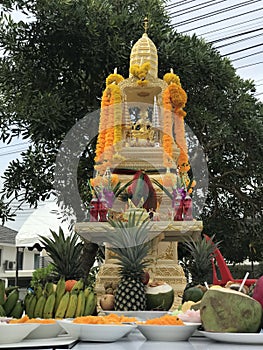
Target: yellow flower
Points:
(172, 78)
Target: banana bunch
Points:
(60, 303)
(10, 304)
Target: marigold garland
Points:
(171, 78)
(174, 100)
(110, 123)
(167, 129)
(140, 72)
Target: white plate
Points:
(96, 332)
(140, 315)
(242, 338)
(167, 333)
(45, 330)
(15, 332)
(39, 343)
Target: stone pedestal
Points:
(163, 255)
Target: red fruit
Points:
(69, 285)
(145, 277)
(258, 291)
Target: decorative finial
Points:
(115, 70)
(171, 70)
(145, 24)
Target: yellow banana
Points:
(38, 312)
(2, 292)
(18, 309)
(72, 306)
(63, 305)
(31, 307)
(60, 290)
(49, 306)
(80, 304)
(91, 303)
(11, 302)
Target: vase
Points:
(94, 210)
(178, 208)
(103, 210)
(188, 209)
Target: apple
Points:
(145, 277)
(107, 302)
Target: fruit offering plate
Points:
(96, 332)
(63, 341)
(238, 338)
(140, 315)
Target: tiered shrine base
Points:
(163, 256)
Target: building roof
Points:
(7, 235)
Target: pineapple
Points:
(131, 243)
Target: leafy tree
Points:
(53, 72)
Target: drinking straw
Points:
(243, 282)
(206, 285)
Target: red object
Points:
(225, 273)
(103, 210)
(142, 187)
(145, 277)
(188, 209)
(178, 208)
(69, 284)
(94, 210)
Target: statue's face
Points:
(142, 130)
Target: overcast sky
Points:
(234, 26)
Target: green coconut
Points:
(193, 294)
(227, 310)
(159, 296)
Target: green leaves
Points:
(65, 253)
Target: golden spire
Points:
(145, 24)
(144, 51)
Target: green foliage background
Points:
(52, 74)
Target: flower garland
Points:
(140, 72)
(115, 101)
(110, 123)
(167, 130)
(174, 100)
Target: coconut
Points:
(193, 293)
(227, 310)
(159, 296)
(107, 302)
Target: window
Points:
(36, 261)
(20, 258)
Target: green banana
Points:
(72, 306)
(2, 292)
(91, 303)
(87, 290)
(8, 290)
(63, 305)
(38, 291)
(60, 291)
(38, 312)
(49, 306)
(80, 304)
(18, 310)
(27, 300)
(11, 301)
(48, 289)
(78, 286)
(2, 311)
(31, 307)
